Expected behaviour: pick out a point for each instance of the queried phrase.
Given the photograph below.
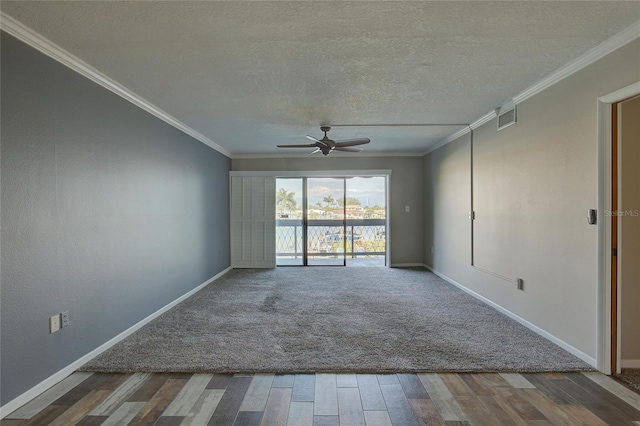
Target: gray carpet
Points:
(630, 376)
(333, 319)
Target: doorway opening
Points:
(614, 213)
(331, 221)
(625, 234)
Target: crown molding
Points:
(312, 173)
(337, 154)
(399, 125)
(479, 122)
(483, 120)
(448, 139)
(47, 47)
(615, 42)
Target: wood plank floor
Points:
(332, 399)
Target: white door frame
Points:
(603, 351)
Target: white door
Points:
(253, 222)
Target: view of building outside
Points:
(363, 206)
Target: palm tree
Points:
(329, 200)
(351, 201)
(286, 200)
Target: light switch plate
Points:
(64, 319)
(519, 283)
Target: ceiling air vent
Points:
(506, 115)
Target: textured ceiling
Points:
(250, 75)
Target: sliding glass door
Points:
(289, 222)
(331, 221)
(366, 221)
(325, 223)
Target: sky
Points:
(370, 191)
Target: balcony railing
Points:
(326, 238)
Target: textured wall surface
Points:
(405, 188)
(533, 185)
(629, 244)
(107, 212)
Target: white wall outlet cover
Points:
(407, 209)
(54, 323)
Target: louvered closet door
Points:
(241, 222)
(263, 222)
(253, 222)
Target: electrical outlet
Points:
(407, 209)
(54, 323)
(519, 283)
(64, 319)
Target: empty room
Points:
(319, 212)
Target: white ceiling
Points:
(250, 75)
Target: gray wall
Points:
(533, 185)
(107, 212)
(406, 188)
(629, 244)
(447, 204)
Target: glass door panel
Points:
(289, 221)
(366, 220)
(331, 221)
(326, 241)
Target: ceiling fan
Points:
(326, 145)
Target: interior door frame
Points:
(608, 316)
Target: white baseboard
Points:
(630, 363)
(407, 265)
(52, 380)
(564, 345)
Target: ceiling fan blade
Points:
(351, 142)
(326, 145)
(345, 149)
(311, 145)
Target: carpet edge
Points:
(541, 332)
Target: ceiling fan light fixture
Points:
(326, 145)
